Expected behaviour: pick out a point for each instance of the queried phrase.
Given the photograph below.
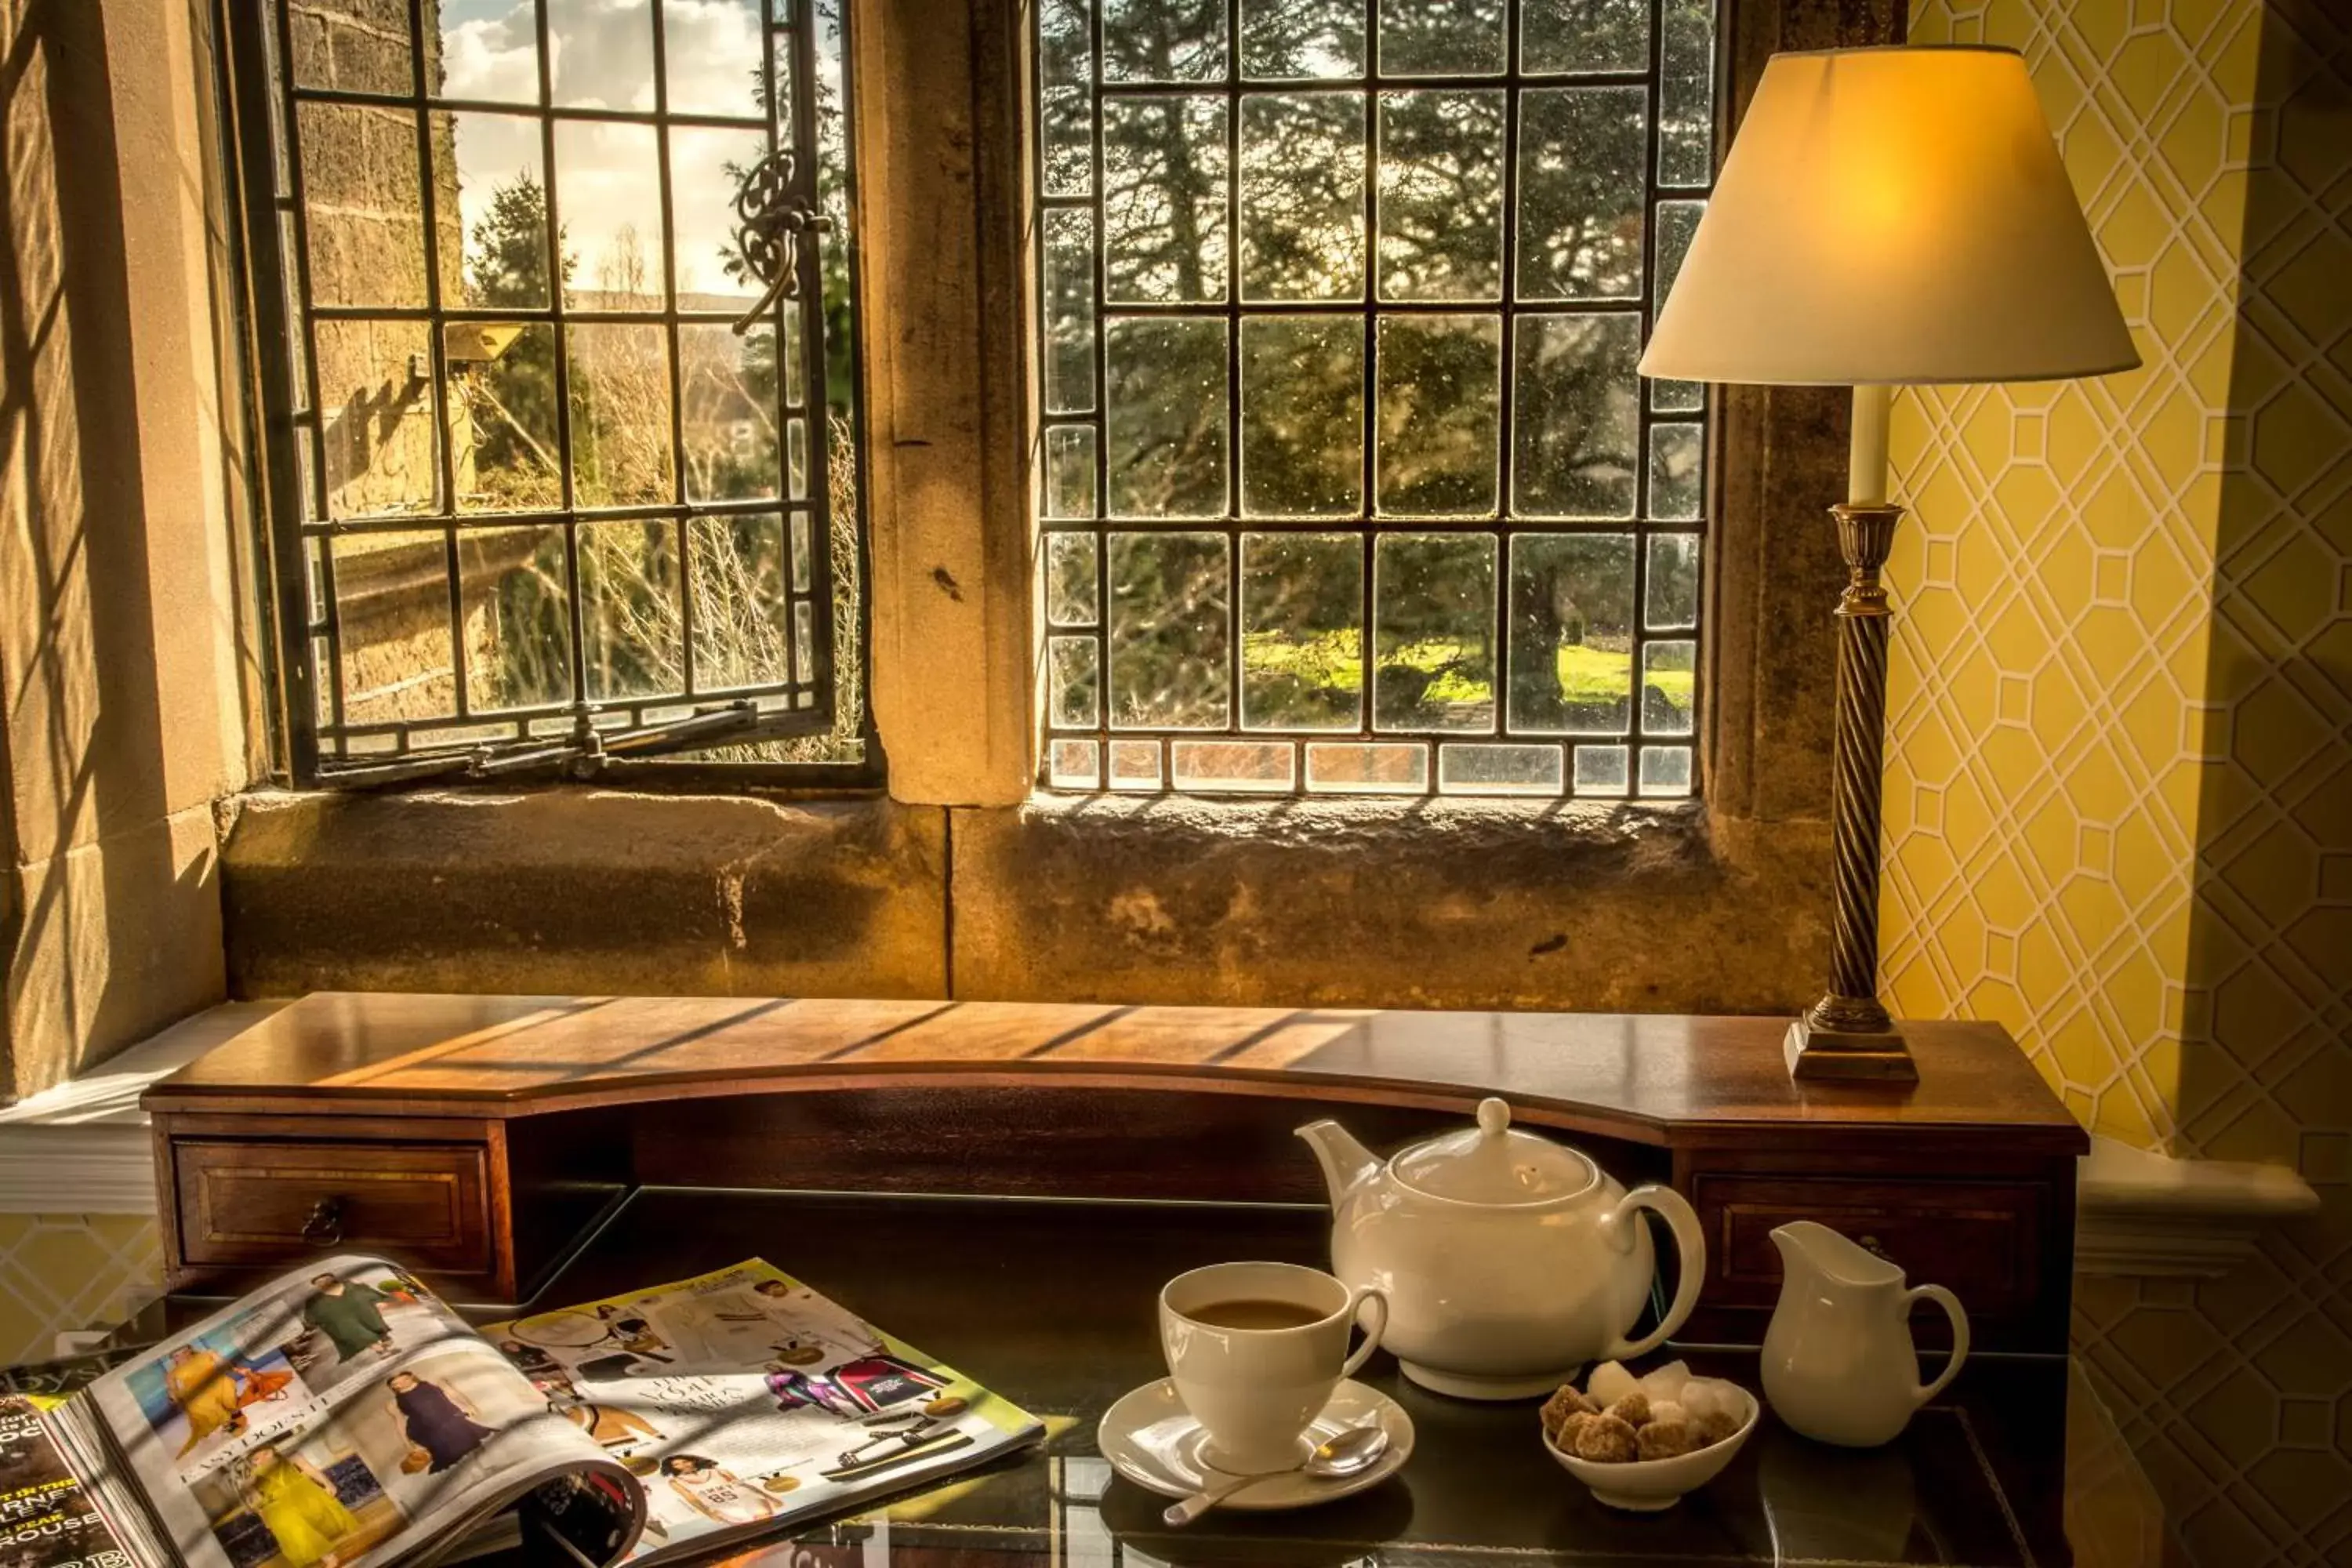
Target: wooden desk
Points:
(482, 1137)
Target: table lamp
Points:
(1885, 217)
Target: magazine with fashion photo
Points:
(743, 1398)
(344, 1417)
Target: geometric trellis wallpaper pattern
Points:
(70, 1271)
(2119, 789)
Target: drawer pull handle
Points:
(325, 1226)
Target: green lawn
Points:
(1329, 664)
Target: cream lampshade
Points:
(1891, 215)
(1886, 217)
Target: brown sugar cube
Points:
(1665, 1439)
(1713, 1427)
(1633, 1409)
(1565, 1403)
(1563, 1437)
(1606, 1440)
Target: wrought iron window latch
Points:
(771, 213)
(582, 757)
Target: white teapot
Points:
(1508, 1260)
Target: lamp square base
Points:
(1816, 1053)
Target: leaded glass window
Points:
(553, 307)
(1346, 483)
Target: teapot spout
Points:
(1346, 1163)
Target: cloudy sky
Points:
(608, 176)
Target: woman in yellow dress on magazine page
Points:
(297, 1506)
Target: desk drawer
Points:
(1982, 1240)
(258, 1202)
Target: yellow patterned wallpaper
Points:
(2119, 792)
(70, 1271)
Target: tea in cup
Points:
(1255, 1350)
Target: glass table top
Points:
(1053, 1305)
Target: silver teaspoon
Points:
(1348, 1453)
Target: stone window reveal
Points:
(554, 474)
(1345, 480)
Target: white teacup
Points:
(1250, 1375)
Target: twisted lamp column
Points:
(1846, 1034)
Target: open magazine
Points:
(344, 1416)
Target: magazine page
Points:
(745, 1400)
(341, 1417)
(46, 1518)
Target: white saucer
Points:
(1151, 1440)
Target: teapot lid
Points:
(1494, 1163)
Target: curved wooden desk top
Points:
(1651, 1079)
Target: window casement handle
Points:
(771, 213)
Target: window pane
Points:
(1070, 471)
(1434, 612)
(1440, 386)
(1581, 192)
(1071, 590)
(608, 196)
(1166, 421)
(1302, 631)
(1169, 631)
(620, 416)
(502, 388)
(1665, 770)
(1441, 195)
(1303, 196)
(1499, 769)
(729, 386)
(1561, 35)
(1069, 312)
(1290, 40)
(630, 609)
(1228, 767)
(1675, 454)
(1573, 401)
(741, 627)
(354, 49)
(603, 51)
(1442, 37)
(1686, 92)
(396, 646)
(1302, 415)
(1065, 116)
(1670, 595)
(707, 169)
(517, 617)
(1164, 199)
(1338, 768)
(1571, 633)
(1668, 673)
(711, 54)
(1074, 693)
(1677, 222)
(377, 429)
(497, 166)
(363, 206)
(1163, 40)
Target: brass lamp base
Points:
(1817, 1052)
(1846, 1034)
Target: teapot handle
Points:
(1690, 1243)
(1951, 1305)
